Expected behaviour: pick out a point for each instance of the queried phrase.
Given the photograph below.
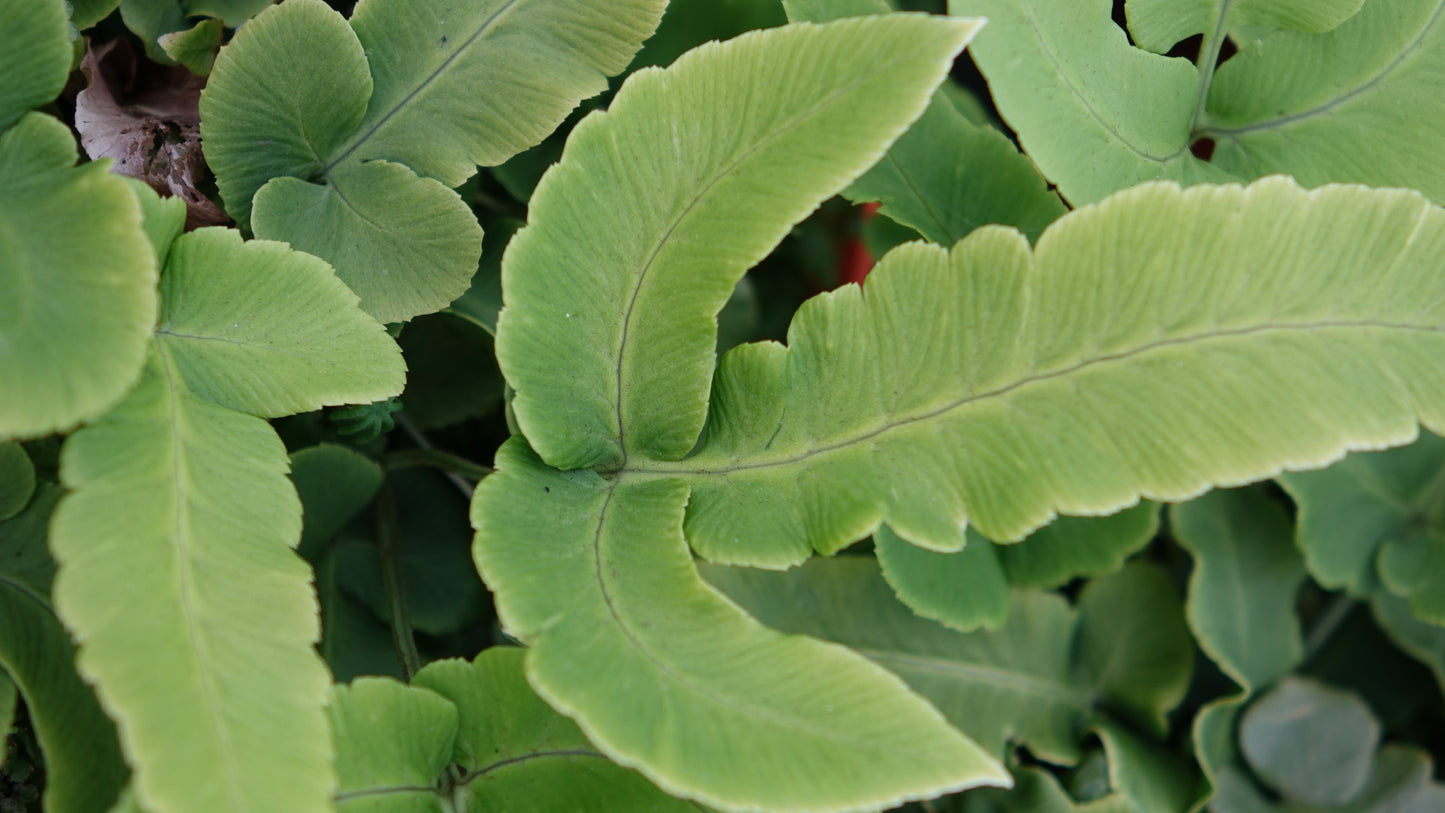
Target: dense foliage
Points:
(436, 406)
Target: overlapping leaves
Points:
(181, 513)
(1344, 98)
(344, 138)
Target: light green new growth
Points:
(352, 133)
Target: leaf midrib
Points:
(361, 138)
(1319, 110)
(233, 775)
(699, 466)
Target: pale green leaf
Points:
(1310, 742)
(17, 479)
(1074, 547)
(34, 56)
(393, 743)
(334, 483)
(1159, 24)
(406, 245)
(630, 253)
(1014, 685)
(514, 751)
(82, 758)
(232, 12)
(282, 95)
(1133, 644)
(461, 83)
(964, 590)
(1094, 112)
(151, 19)
(79, 279)
(987, 383)
(1357, 104)
(263, 329)
(1377, 520)
(163, 218)
(627, 640)
(195, 47)
(181, 514)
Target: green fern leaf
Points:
(1355, 105)
(881, 410)
(1159, 24)
(613, 287)
(79, 276)
(265, 330)
(176, 542)
(34, 55)
(627, 640)
(352, 134)
(1094, 112)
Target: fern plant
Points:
(1000, 408)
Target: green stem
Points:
(421, 441)
(389, 551)
(437, 459)
(1327, 624)
(1208, 60)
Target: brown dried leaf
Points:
(147, 118)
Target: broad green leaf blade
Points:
(1094, 112)
(461, 83)
(1074, 547)
(87, 13)
(34, 55)
(515, 751)
(1147, 774)
(17, 479)
(608, 334)
(1015, 685)
(195, 47)
(79, 278)
(334, 483)
(1377, 520)
(180, 513)
(232, 12)
(163, 218)
(1355, 105)
(1310, 742)
(406, 245)
(393, 744)
(260, 121)
(1241, 606)
(83, 764)
(1242, 592)
(1281, 328)
(1158, 24)
(946, 176)
(963, 590)
(1133, 644)
(265, 330)
(627, 640)
(1400, 782)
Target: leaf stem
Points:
(1327, 625)
(1208, 60)
(389, 552)
(438, 459)
(422, 442)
